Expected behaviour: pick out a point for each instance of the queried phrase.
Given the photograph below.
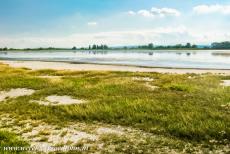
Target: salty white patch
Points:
(104, 130)
(143, 79)
(151, 86)
(13, 93)
(56, 136)
(60, 100)
(225, 83)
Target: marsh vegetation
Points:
(183, 113)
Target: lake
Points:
(209, 59)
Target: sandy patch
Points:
(43, 135)
(60, 100)
(147, 79)
(151, 87)
(38, 65)
(104, 130)
(13, 93)
(225, 83)
(47, 135)
(192, 77)
(95, 136)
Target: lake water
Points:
(210, 59)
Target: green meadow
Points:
(183, 113)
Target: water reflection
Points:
(156, 58)
(94, 52)
(150, 53)
(3, 53)
(224, 54)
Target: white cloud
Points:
(92, 23)
(157, 12)
(207, 9)
(145, 13)
(165, 12)
(162, 35)
(131, 13)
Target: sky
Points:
(67, 23)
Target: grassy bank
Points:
(182, 108)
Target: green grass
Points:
(8, 139)
(186, 107)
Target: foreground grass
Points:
(183, 107)
(8, 139)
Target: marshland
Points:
(116, 112)
(114, 77)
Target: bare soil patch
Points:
(147, 79)
(104, 130)
(98, 137)
(13, 93)
(60, 100)
(225, 83)
(151, 87)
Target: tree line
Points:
(4, 49)
(93, 47)
(178, 46)
(221, 45)
(150, 46)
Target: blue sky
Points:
(66, 23)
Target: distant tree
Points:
(94, 47)
(188, 45)
(105, 47)
(74, 48)
(89, 47)
(150, 46)
(51, 48)
(178, 46)
(194, 46)
(4, 49)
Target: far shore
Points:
(38, 65)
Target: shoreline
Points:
(57, 65)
